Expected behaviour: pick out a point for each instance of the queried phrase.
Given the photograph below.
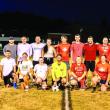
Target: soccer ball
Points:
(55, 88)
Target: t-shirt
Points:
(90, 52)
(77, 50)
(64, 50)
(102, 70)
(103, 49)
(24, 48)
(25, 67)
(78, 69)
(8, 65)
(37, 49)
(12, 48)
(59, 70)
(41, 70)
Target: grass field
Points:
(16, 99)
(85, 100)
(11, 99)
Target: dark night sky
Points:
(82, 10)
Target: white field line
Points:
(66, 100)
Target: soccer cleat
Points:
(94, 89)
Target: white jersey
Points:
(25, 67)
(24, 48)
(49, 53)
(37, 49)
(41, 70)
(8, 65)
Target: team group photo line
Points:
(67, 65)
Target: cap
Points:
(11, 38)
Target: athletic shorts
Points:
(102, 81)
(90, 65)
(7, 78)
(67, 65)
(22, 80)
(35, 62)
(48, 61)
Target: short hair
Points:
(90, 37)
(59, 55)
(24, 36)
(64, 36)
(8, 51)
(77, 35)
(25, 53)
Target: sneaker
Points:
(94, 89)
(26, 88)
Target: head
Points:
(49, 41)
(105, 40)
(64, 39)
(8, 53)
(77, 38)
(11, 40)
(90, 40)
(24, 39)
(78, 60)
(24, 56)
(37, 39)
(103, 58)
(59, 57)
(41, 60)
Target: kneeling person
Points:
(8, 69)
(25, 70)
(101, 74)
(59, 73)
(40, 71)
(78, 74)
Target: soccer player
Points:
(25, 71)
(64, 49)
(101, 74)
(40, 71)
(76, 48)
(49, 52)
(90, 50)
(78, 73)
(37, 47)
(59, 73)
(23, 47)
(12, 47)
(8, 70)
(104, 49)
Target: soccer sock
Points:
(14, 85)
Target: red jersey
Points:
(102, 70)
(78, 69)
(64, 50)
(90, 52)
(103, 49)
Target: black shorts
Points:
(48, 61)
(35, 62)
(90, 65)
(7, 79)
(102, 81)
(22, 80)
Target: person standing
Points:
(12, 47)
(23, 47)
(90, 50)
(37, 47)
(76, 48)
